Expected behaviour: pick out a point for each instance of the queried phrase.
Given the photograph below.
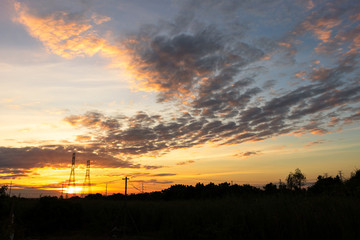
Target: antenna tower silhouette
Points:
(72, 176)
(87, 183)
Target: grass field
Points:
(247, 217)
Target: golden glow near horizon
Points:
(164, 98)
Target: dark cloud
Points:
(153, 181)
(93, 120)
(247, 154)
(57, 156)
(13, 176)
(352, 118)
(214, 118)
(152, 167)
(269, 84)
(39, 186)
(12, 173)
(185, 162)
(212, 78)
(146, 174)
(197, 61)
(163, 175)
(329, 25)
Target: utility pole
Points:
(10, 189)
(126, 179)
(62, 190)
(72, 176)
(125, 205)
(340, 175)
(142, 187)
(106, 190)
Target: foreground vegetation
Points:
(328, 209)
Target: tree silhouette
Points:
(328, 185)
(353, 184)
(270, 188)
(295, 180)
(3, 190)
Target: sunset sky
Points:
(177, 92)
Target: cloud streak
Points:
(247, 154)
(185, 162)
(55, 156)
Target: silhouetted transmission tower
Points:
(72, 177)
(87, 184)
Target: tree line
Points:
(203, 211)
(294, 184)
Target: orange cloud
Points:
(351, 119)
(333, 121)
(321, 27)
(356, 17)
(320, 74)
(69, 36)
(93, 120)
(309, 129)
(185, 162)
(310, 144)
(354, 38)
(319, 132)
(285, 44)
(300, 74)
(266, 57)
(310, 5)
(82, 138)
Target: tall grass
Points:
(251, 217)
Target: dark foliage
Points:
(295, 180)
(353, 184)
(328, 209)
(50, 215)
(328, 185)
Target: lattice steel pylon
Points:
(87, 183)
(72, 177)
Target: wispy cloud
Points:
(310, 144)
(11, 173)
(247, 154)
(70, 34)
(56, 156)
(153, 181)
(185, 162)
(62, 33)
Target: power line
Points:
(135, 187)
(62, 189)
